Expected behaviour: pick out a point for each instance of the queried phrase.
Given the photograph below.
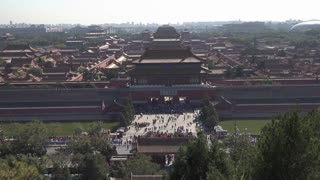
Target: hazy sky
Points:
(160, 11)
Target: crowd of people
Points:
(163, 125)
(164, 108)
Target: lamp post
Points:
(235, 120)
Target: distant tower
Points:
(185, 35)
(11, 23)
(146, 35)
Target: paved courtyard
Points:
(161, 124)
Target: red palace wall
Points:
(246, 82)
(35, 110)
(145, 95)
(276, 107)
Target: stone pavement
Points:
(161, 123)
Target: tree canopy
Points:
(127, 112)
(36, 71)
(289, 148)
(93, 166)
(30, 140)
(208, 114)
(197, 161)
(19, 171)
(141, 164)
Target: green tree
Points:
(197, 161)
(40, 61)
(93, 166)
(48, 64)
(141, 164)
(118, 169)
(228, 73)
(239, 71)
(208, 114)
(214, 174)
(7, 68)
(111, 74)
(60, 45)
(242, 153)
(2, 62)
(60, 173)
(289, 148)
(19, 171)
(219, 161)
(60, 161)
(261, 65)
(90, 144)
(127, 112)
(36, 71)
(30, 140)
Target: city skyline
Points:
(166, 11)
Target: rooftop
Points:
(168, 56)
(166, 32)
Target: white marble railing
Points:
(177, 85)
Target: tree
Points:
(281, 53)
(242, 154)
(118, 169)
(289, 148)
(197, 161)
(141, 164)
(60, 168)
(19, 171)
(239, 71)
(36, 71)
(91, 153)
(111, 74)
(60, 173)
(208, 114)
(127, 112)
(210, 65)
(90, 144)
(30, 140)
(2, 62)
(40, 61)
(60, 45)
(213, 174)
(48, 64)
(261, 65)
(253, 59)
(7, 68)
(228, 73)
(219, 161)
(192, 161)
(93, 166)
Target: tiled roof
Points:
(168, 56)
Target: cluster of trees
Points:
(127, 115)
(42, 63)
(139, 164)
(86, 157)
(234, 72)
(90, 154)
(197, 161)
(25, 155)
(299, 39)
(47, 39)
(288, 148)
(36, 71)
(208, 114)
(90, 75)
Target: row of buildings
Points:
(69, 84)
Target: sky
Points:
(151, 11)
